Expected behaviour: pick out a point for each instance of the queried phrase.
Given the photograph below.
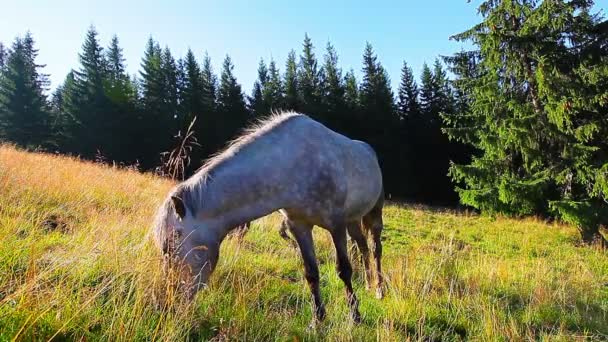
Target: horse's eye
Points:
(178, 233)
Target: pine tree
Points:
(232, 110)
(291, 83)
(333, 91)
(192, 94)
(24, 117)
(309, 79)
(535, 113)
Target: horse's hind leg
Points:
(303, 235)
(372, 222)
(345, 270)
(355, 232)
(283, 233)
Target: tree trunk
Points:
(592, 235)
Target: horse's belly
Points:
(363, 190)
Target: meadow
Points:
(77, 263)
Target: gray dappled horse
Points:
(291, 163)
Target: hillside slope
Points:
(76, 262)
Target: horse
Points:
(291, 163)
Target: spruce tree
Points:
(433, 150)
(273, 90)
(151, 80)
(192, 94)
(153, 133)
(90, 107)
(353, 124)
(535, 113)
(408, 105)
(291, 83)
(376, 95)
(351, 91)
(121, 111)
(209, 80)
(24, 112)
(309, 79)
(206, 125)
(232, 110)
(257, 102)
(3, 56)
(379, 118)
(333, 91)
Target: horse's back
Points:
(345, 167)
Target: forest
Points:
(514, 125)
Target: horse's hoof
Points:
(379, 293)
(356, 317)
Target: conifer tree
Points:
(408, 105)
(353, 121)
(535, 114)
(376, 94)
(351, 91)
(154, 133)
(309, 79)
(209, 86)
(192, 94)
(120, 117)
(257, 102)
(333, 91)
(232, 110)
(273, 90)
(291, 83)
(24, 112)
(206, 125)
(151, 78)
(377, 106)
(3, 55)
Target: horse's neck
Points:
(233, 197)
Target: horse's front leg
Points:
(303, 235)
(345, 270)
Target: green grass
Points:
(450, 275)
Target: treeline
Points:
(100, 110)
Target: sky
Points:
(412, 31)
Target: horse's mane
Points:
(192, 190)
(248, 135)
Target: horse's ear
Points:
(180, 208)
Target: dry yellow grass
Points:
(76, 263)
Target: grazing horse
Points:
(291, 163)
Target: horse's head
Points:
(187, 240)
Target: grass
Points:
(77, 263)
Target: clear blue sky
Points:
(415, 31)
